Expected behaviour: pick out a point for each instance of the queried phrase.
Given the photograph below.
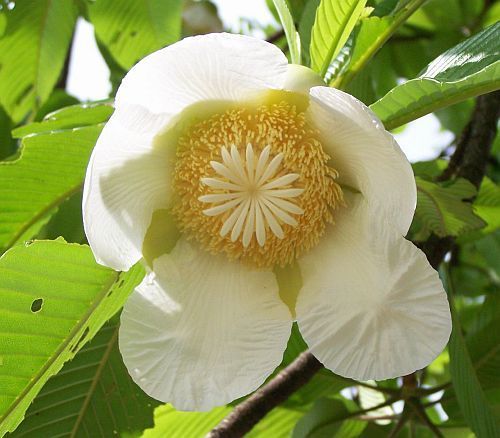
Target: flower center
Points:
(254, 183)
(255, 196)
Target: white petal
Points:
(371, 307)
(128, 178)
(200, 331)
(365, 154)
(207, 67)
(301, 79)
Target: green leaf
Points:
(373, 33)
(176, 424)
(305, 26)
(132, 29)
(74, 116)
(441, 208)
(32, 52)
(328, 418)
(93, 395)
(484, 344)
(292, 36)
(469, 69)
(54, 298)
(335, 19)
(470, 395)
(50, 169)
(487, 205)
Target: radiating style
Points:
(256, 196)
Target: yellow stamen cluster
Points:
(254, 183)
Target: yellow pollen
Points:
(254, 183)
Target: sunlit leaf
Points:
(335, 19)
(54, 298)
(50, 169)
(291, 33)
(132, 29)
(466, 70)
(32, 52)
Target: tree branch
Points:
(248, 413)
(469, 161)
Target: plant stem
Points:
(399, 18)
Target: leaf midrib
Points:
(436, 204)
(102, 363)
(343, 23)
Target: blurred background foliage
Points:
(46, 137)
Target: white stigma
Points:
(254, 196)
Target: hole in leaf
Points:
(36, 305)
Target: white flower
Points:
(255, 198)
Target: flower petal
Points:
(206, 67)
(127, 180)
(201, 331)
(365, 154)
(371, 307)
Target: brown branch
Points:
(248, 413)
(473, 149)
(469, 161)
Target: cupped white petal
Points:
(371, 306)
(206, 67)
(366, 156)
(201, 331)
(301, 79)
(128, 178)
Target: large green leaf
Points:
(92, 395)
(466, 70)
(441, 208)
(32, 52)
(335, 19)
(468, 390)
(132, 29)
(54, 298)
(292, 36)
(176, 424)
(50, 169)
